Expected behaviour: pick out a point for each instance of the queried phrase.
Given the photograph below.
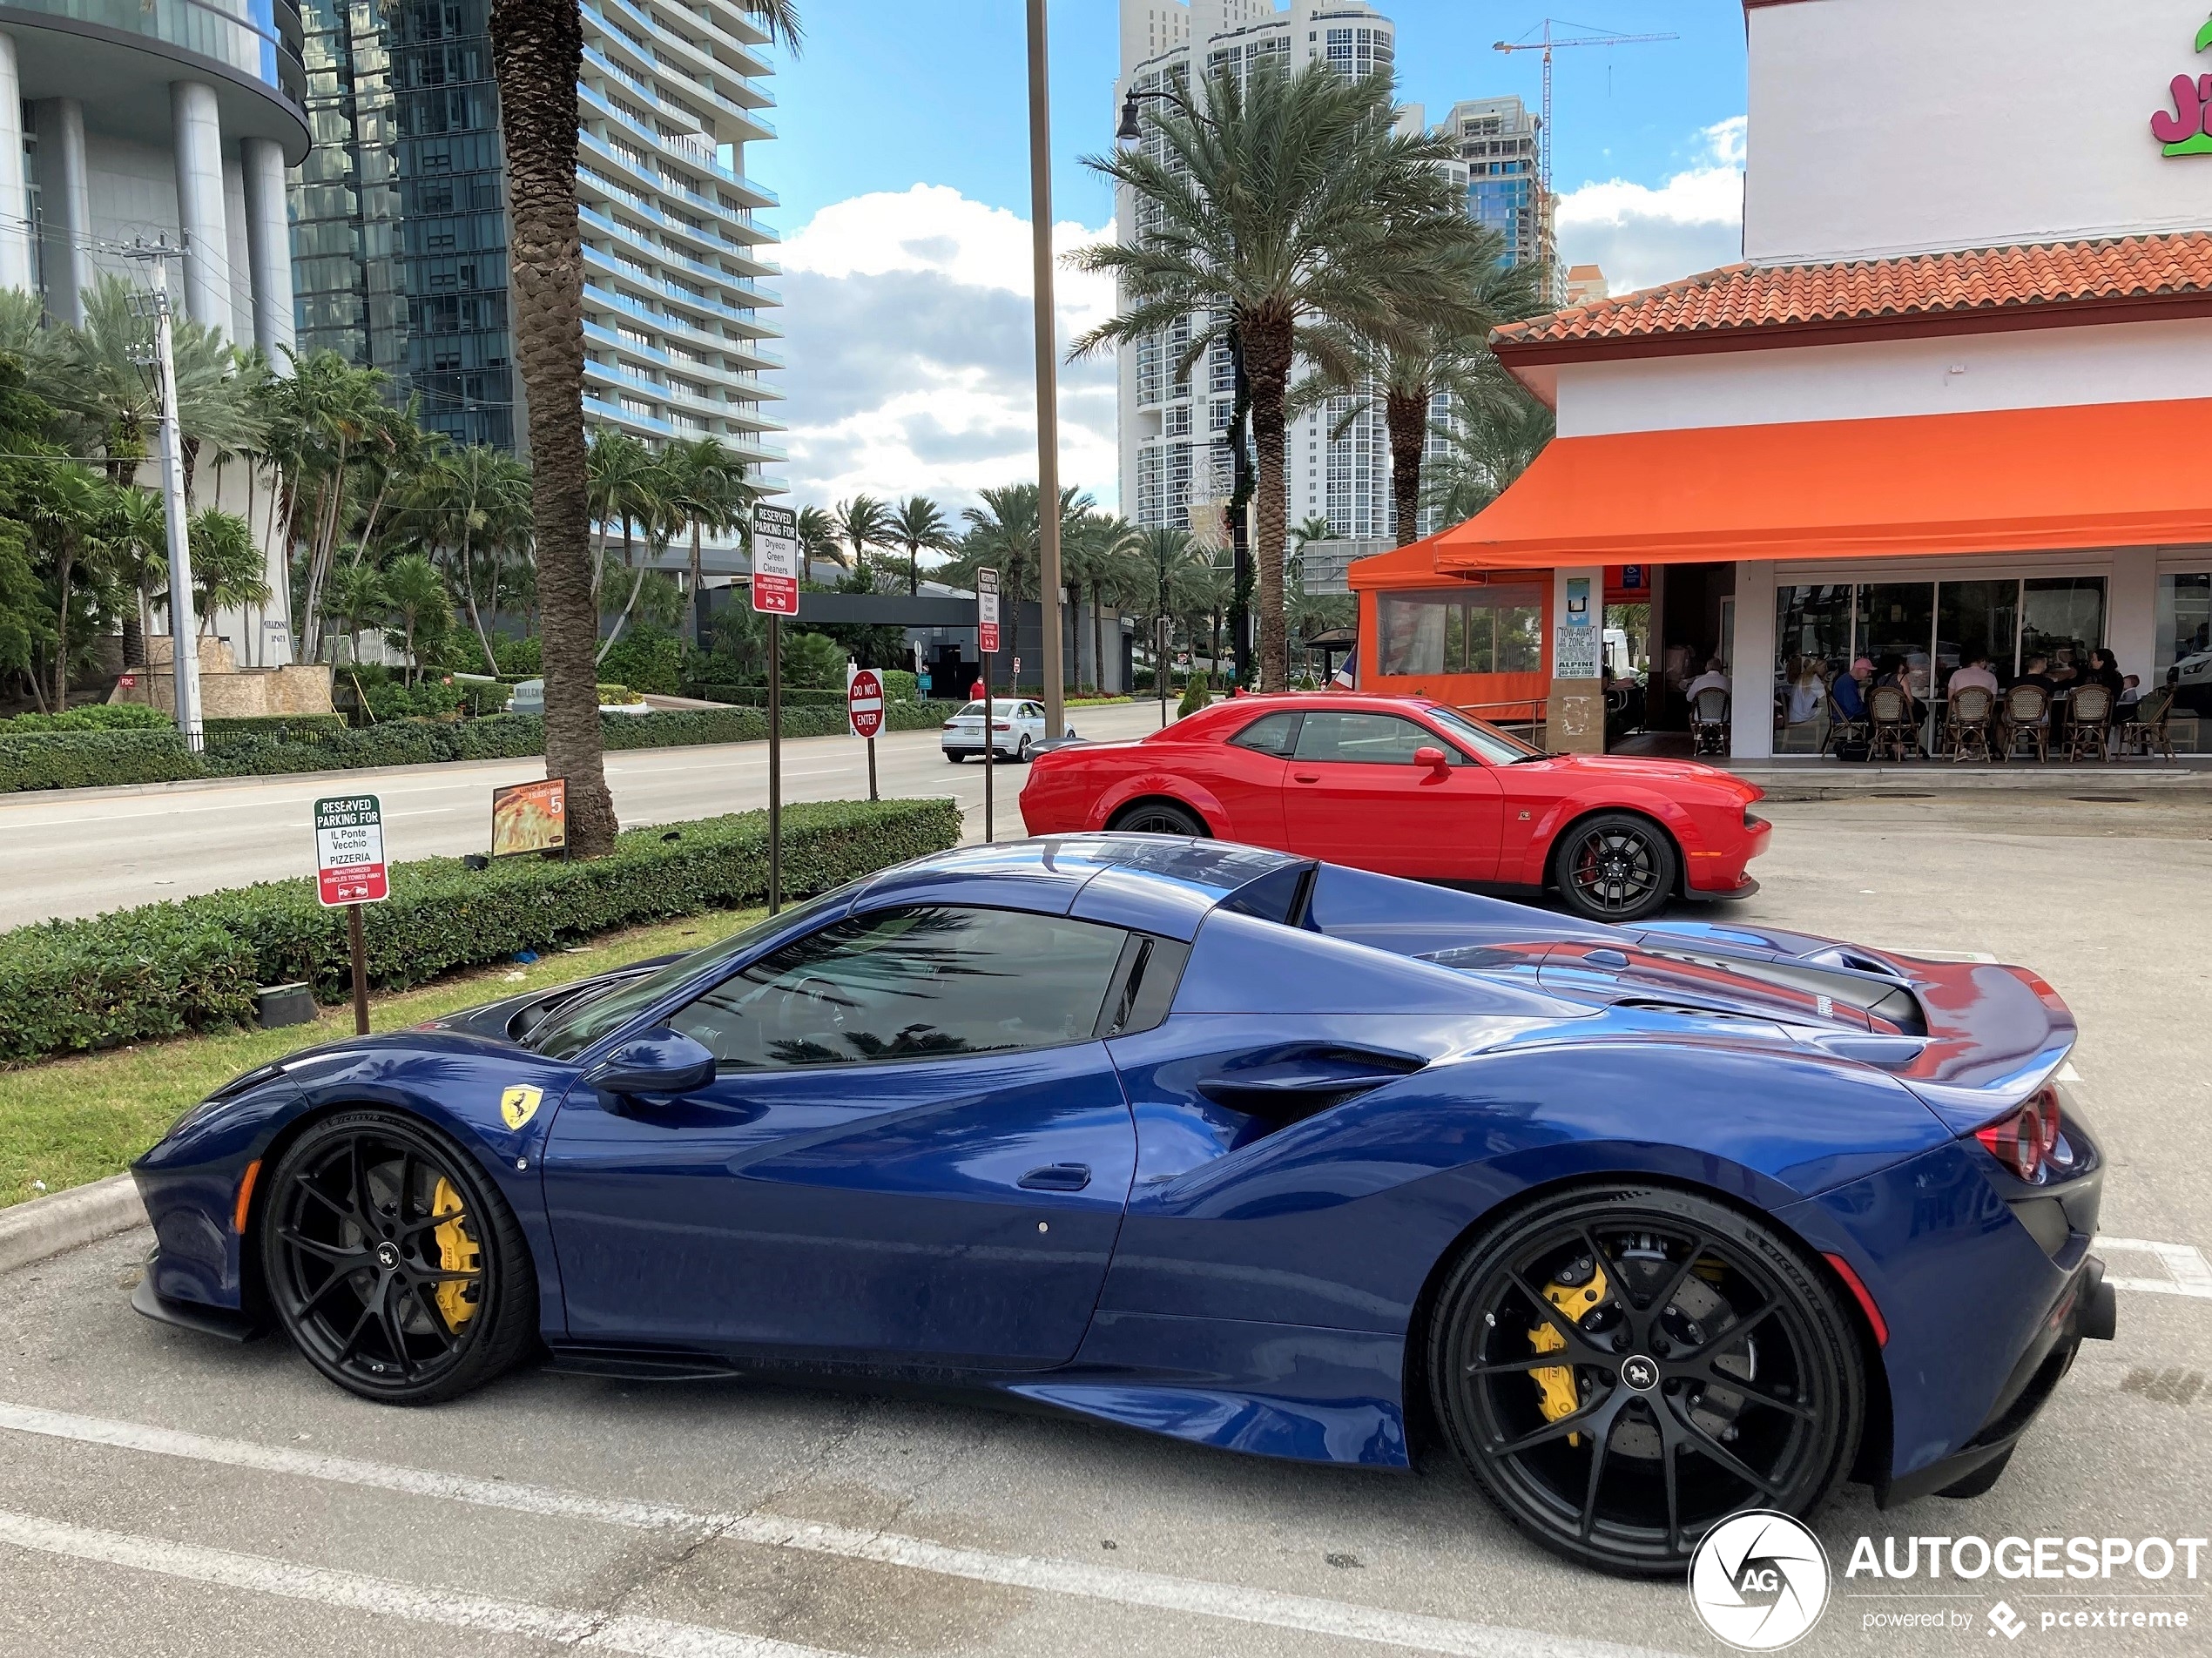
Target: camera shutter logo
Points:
(1759, 1580)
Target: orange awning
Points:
(2126, 475)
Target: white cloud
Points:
(1643, 234)
(912, 354)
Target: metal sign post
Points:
(987, 645)
(864, 711)
(776, 570)
(349, 872)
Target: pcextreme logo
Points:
(1759, 1580)
(2186, 129)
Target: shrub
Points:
(898, 685)
(94, 716)
(1196, 695)
(92, 759)
(302, 728)
(646, 660)
(431, 699)
(193, 964)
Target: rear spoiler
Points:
(1995, 1035)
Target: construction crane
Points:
(1544, 44)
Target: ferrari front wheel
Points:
(1622, 1369)
(1616, 867)
(392, 1263)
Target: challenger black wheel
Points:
(392, 1264)
(1158, 818)
(1623, 1369)
(1614, 868)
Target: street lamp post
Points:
(1056, 710)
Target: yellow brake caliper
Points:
(1555, 1383)
(457, 1252)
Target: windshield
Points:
(1492, 745)
(585, 1021)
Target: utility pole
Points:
(184, 625)
(1055, 709)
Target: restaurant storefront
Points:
(1927, 427)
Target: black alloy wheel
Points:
(392, 1264)
(954, 756)
(1622, 1370)
(1159, 818)
(1614, 868)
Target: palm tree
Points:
(356, 594)
(538, 53)
(321, 417)
(624, 484)
(1490, 443)
(863, 523)
(65, 507)
(471, 502)
(817, 540)
(1115, 573)
(918, 523)
(1406, 365)
(707, 489)
(138, 545)
(1274, 203)
(416, 594)
(1003, 536)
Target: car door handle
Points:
(1305, 777)
(1057, 1177)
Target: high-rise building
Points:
(408, 174)
(1496, 139)
(120, 123)
(1174, 422)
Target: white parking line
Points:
(484, 1613)
(2187, 1273)
(1122, 1585)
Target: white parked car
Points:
(1017, 726)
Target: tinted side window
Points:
(1373, 739)
(1270, 734)
(906, 984)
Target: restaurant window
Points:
(1814, 622)
(2184, 625)
(1484, 629)
(1896, 619)
(2062, 619)
(1976, 619)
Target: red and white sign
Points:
(986, 612)
(775, 560)
(863, 703)
(349, 851)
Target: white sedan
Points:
(1016, 729)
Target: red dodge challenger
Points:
(1407, 786)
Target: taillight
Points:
(1001, 726)
(2022, 1140)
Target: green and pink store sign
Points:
(2187, 128)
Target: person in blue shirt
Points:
(1848, 688)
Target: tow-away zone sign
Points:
(349, 851)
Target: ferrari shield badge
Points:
(519, 1105)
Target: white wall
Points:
(2031, 368)
(1891, 125)
(133, 187)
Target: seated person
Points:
(1892, 670)
(2104, 670)
(2039, 673)
(2131, 693)
(1849, 690)
(1806, 689)
(1976, 672)
(1714, 678)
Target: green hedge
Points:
(81, 759)
(93, 717)
(164, 969)
(294, 727)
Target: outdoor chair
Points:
(1890, 711)
(1843, 730)
(2090, 728)
(1971, 708)
(2028, 719)
(2146, 734)
(1709, 721)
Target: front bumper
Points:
(2085, 1310)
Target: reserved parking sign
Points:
(349, 851)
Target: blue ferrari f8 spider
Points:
(1647, 1225)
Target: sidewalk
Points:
(1812, 777)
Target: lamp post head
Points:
(1128, 132)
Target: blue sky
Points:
(902, 165)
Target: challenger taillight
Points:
(2024, 1139)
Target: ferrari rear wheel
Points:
(394, 1264)
(1623, 1369)
(1614, 868)
(1159, 818)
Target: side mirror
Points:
(659, 1061)
(1434, 758)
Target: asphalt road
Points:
(79, 853)
(164, 1493)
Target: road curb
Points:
(48, 1225)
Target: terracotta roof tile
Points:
(1739, 298)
